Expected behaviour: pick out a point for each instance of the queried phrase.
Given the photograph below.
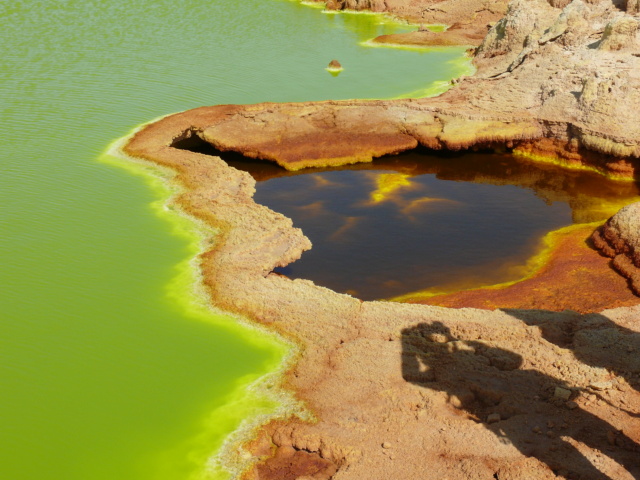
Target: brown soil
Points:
(290, 464)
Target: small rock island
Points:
(334, 66)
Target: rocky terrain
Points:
(404, 391)
(619, 239)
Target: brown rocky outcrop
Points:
(372, 5)
(403, 391)
(619, 239)
(620, 33)
(546, 87)
(334, 65)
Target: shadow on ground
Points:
(534, 412)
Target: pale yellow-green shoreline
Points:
(256, 399)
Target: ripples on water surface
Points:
(103, 375)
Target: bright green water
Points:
(105, 375)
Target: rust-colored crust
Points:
(618, 239)
(321, 134)
(575, 277)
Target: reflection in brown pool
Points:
(418, 221)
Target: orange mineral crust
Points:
(575, 277)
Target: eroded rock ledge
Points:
(619, 239)
(552, 83)
(468, 21)
(413, 391)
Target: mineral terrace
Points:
(543, 383)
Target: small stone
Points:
(571, 405)
(549, 434)
(537, 429)
(622, 443)
(493, 418)
(334, 65)
(562, 393)
(459, 346)
(386, 445)
(550, 424)
(601, 385)
(611, 437)
(438, 338)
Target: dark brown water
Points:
(417, 221)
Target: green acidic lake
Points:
(108, 370)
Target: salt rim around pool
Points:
(260, 398)
(257, 398)
(524, 272)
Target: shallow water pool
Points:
(420, 221)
